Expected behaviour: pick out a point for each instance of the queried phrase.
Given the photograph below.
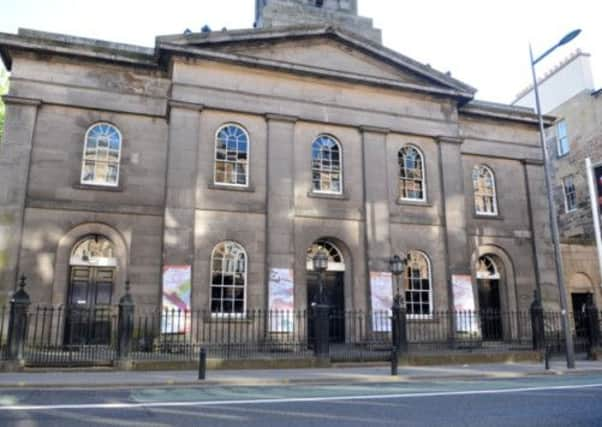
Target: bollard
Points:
(202, 364)
(394, 362)
(547, 358)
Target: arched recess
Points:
(581, 282)
(301, 272)
(63, 255)
(508, 293)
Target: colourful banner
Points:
(281, 300)
(464, 304)
(381, 291)
(176, 299)
(598, 175)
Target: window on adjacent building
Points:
(418, 285)
(485, 198)
(228, 278)
(327, 175)
(570, 194)
(411, 174)
(562, 138)
(102, 154)
(232, 156)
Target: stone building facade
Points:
(237, 152)
(569, 94)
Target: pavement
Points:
(106, 378)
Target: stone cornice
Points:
(449, 139)
(532, 162)
(281, 118)
(172, 103)
(8, 99)
(374, 129)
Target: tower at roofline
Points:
(342, 13)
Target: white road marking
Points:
(125, 405)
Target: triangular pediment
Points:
(320, 50)
(326, 54)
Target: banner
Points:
(176, 299)
(381, 291)
(281, 300)
(464, 302)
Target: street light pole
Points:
(568, 336)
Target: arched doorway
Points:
(92, 268)
(334, 287)
(581, 288)
(489, 278)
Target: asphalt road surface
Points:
(535, 401)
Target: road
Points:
(534, 401)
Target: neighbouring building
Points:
(569, 94)
(233, 156)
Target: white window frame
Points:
(423, 181)
(474, 197)
(430, 277)
(215, 160)
(341, 167)
(566, 195)
(83, 164)
(245, 288)
(560, 138)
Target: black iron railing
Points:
(85, 336)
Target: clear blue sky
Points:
(484, 43)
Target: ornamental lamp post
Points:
(321, 311)
(320, 261)
(570, 351)
(397, 266)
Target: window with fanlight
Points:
(327, 166)
(228, 279)
(232, 156)
(411, 174)
(102, 155)
(485, 198)
(418, 289)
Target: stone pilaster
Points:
(15, 156)
(376, 199)
(180, 195)
(280, 227)
(454, 205)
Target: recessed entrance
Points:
(334, 288)
(488, 284)
(90, 292)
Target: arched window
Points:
(228, 278)
(232, 156)
(411, 174)
(485, 199)
(102, 153)
(487, 269)
(336, 262)
(326, 166)
(418, 284)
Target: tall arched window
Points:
(232, 156)
(485, 198)
(102, 154)
(418, 284)
(411, 174)
(228, 278)
(326, 166)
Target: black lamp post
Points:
(320, 261)
(321, 310)
(568, 337)
(397, 266)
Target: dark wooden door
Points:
(490, 309)
(88, 310)
(334, 296)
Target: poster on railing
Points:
(175, 318)
(281, 300)
(464, 304)
(381, 291)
